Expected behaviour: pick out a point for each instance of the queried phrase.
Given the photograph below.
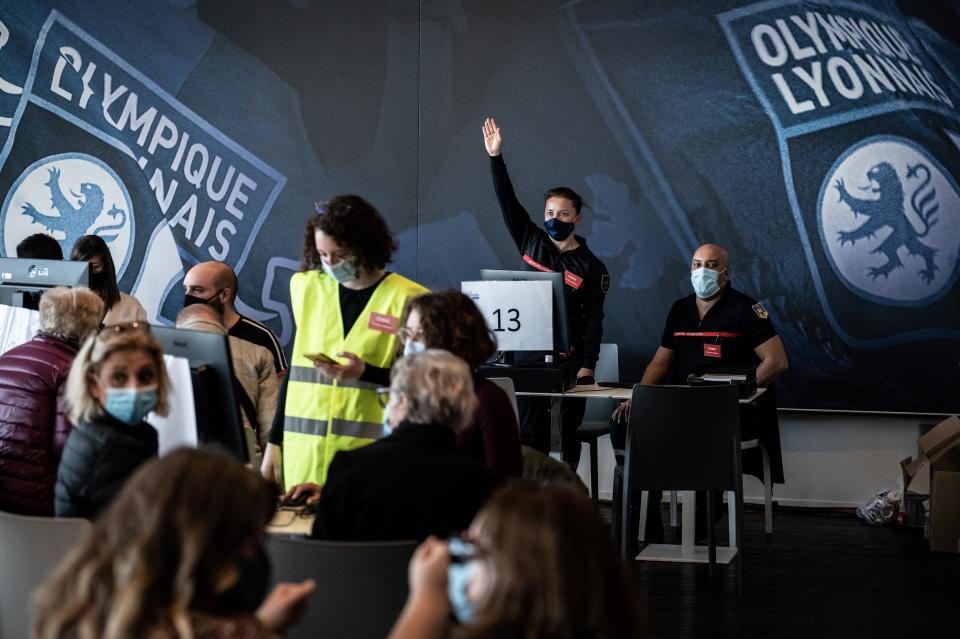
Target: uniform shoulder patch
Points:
(604, 283)
(760, 311)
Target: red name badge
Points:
(383, 323)
(572, 280)
(711, 350)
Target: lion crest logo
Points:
(68, 196)
(890, 222)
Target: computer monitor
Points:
(561, 331)
(211, 370)
(23, 280)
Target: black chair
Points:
(30, 548)
(684, 438)
(361, 586)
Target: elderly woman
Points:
(33, 420)
(117, 378)
(416, 481)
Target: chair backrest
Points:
(361, 586)
(30, 548)
(608, 370)
(683, 438)
(507, 385)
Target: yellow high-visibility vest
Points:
(323, 415)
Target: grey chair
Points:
(685, 438)
(596, 416)
(30, 548)
(361, 586)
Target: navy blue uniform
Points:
(585, 291)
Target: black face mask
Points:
(250, 589)
(558, 229)
(214, 300)
(97, 280)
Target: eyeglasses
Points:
(383, 396)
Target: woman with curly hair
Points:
(451, 321)
(178, 555)
(347, 308)
(538, 564)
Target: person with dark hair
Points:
(39, 246)
(118, 307)
(347, 309)
(215, 284)
(33, 414)
(555, 248)
(537, 562)
(161, 562)
(451, 321)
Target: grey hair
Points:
(438, 386)
(70, 314)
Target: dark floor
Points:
(822, 573)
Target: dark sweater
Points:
(412, 484)
(493, 437)
(98, 458)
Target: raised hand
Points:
(492, 140)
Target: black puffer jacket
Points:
(97, 460)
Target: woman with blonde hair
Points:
(539, 564)
(33, 420)
(178, 555)
(117, 378)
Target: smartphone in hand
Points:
(321, 357)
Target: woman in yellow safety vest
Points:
(347, 310)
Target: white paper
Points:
(179, 427)
(17, 326)
(520, 314)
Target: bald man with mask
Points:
(713, 326)
(215, 284)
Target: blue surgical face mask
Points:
(558, 229)
(461, 572)
(387, 428)
(706, 282)
(131, 405)
(413, 346)
(342, 272)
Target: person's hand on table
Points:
(312, 492)
(585, 377)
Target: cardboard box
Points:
(940, 448)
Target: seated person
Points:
(715, 325)
(253, 367)
(39, 246)
(416, 481)
(33, 413)
(160, 562)
(119, 308)
(116, 379)
(451, 321)
(538, 563)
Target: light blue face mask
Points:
(342, 272)
(387, 428)
(461, 572)
(412, 346)
(131, 405)
(705, 282)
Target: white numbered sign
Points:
(520, 314)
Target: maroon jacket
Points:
(33, 423)
(493, 437)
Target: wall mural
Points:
(819, 142)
